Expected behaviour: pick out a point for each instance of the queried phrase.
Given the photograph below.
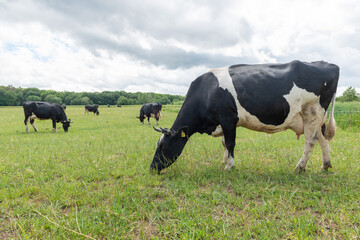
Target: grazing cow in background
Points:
(118, 105)
(108, 105)
(45, 110)
(266, 98)
(92, 108)
(150, 110)
(63, 106)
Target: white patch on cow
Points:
(161, 138)
(217, 132)
(33, 116)
(325, 84)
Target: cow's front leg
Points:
(54, 125)
(26, 124)
(33, 124)
(149, 120)
(229, 131)
(226, 152)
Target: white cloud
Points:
(162, 46)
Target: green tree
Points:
(164, 100)
(81, 101)
(7, 98)
(33, 98)
(349, 95)
(68, 97)
(31, 91)
(53, 99)
(122, 101)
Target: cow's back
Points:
(262, 89)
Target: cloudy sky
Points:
(162, 46)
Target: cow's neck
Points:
(194, 120)
(184, 119)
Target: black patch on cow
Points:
(205, 106)
(261, 88)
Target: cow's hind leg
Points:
(33, 124)
(324, 144)
(312, 122)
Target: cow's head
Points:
(169, 147)
(97, 112)
(66, 124)
(142, 119)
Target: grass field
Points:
(94, 182)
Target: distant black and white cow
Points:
(150, 110)
(45, 110)
(92, 108)
(267, 98)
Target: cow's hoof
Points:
(228, 167)
(326, 166)
(299, 169)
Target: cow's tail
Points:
(330, 128)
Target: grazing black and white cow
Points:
(118, 105)
(45, 110)
(92, 108)
(266, 97)
(150, 110)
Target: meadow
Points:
(94, 183)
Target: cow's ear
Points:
(184, 132)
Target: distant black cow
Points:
(92, 108)
(150, 110)
(108, 105)
(266, 98)
(63, 106)
(118, 105)
(45, 110)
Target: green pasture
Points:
(94, 182)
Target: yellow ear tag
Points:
(182, 134)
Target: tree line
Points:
(12, 96)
